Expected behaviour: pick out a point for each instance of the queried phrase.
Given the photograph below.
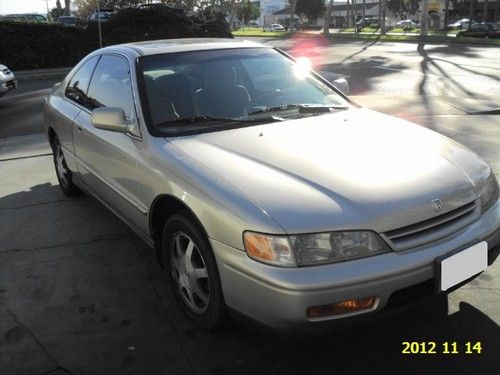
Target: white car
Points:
(274, 27)
(406, 24)
(7, 80)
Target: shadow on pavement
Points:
(98, 302)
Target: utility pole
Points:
(48, 12)
(99, 23)
(423, 18)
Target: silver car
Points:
(7, 80)
(262, 188)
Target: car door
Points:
(107, 160)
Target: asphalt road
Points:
(79, 293)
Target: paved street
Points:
(81, 294)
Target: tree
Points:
(86, 7)
(56, 12)
(312, 9)
(67, 10)
(248, 11)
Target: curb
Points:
(41, 74)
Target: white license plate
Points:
(465, 264)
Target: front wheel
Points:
(192, 271)
(64, 175)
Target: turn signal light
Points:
(344, 307)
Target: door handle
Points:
(79, 128)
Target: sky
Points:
(26, 6)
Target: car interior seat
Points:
(220, 95)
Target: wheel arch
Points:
(162, 208)
(51, 133)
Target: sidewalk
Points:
(24, 146)
(39, 74)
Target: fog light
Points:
(344, 307)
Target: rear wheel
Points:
(192, 271)
(64, 175)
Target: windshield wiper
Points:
(303, 108)
(207, 119)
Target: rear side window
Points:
(111, 85)
(78, 85)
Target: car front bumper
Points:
(279, 297)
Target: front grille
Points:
(11, 83)
(434, 229)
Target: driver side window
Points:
(111, 85)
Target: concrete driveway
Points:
(81, 294)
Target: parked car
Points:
(407, 24)
(104, 15)
(368, 21)
(462, 24)
(481, 30)
(262, 188)
(7, 80)
(26, 17)
(274, 27)
(67, 21)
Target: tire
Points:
(64, 175)
(192, 272)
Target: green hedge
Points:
(33, 46)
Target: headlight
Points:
(313, 249)
(489, 192)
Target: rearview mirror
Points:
(337, 80)
(113, 119)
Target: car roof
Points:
(156, 47)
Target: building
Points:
(267, 8)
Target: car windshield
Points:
(199, 91)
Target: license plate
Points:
(463, 265)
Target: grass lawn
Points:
(256, 31)
(438, 38)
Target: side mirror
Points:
(113, 119)
(337, 80)
(109, 118)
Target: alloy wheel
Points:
(189, 272)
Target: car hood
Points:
(2, 67)
(354, 169)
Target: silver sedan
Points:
(262, 188)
